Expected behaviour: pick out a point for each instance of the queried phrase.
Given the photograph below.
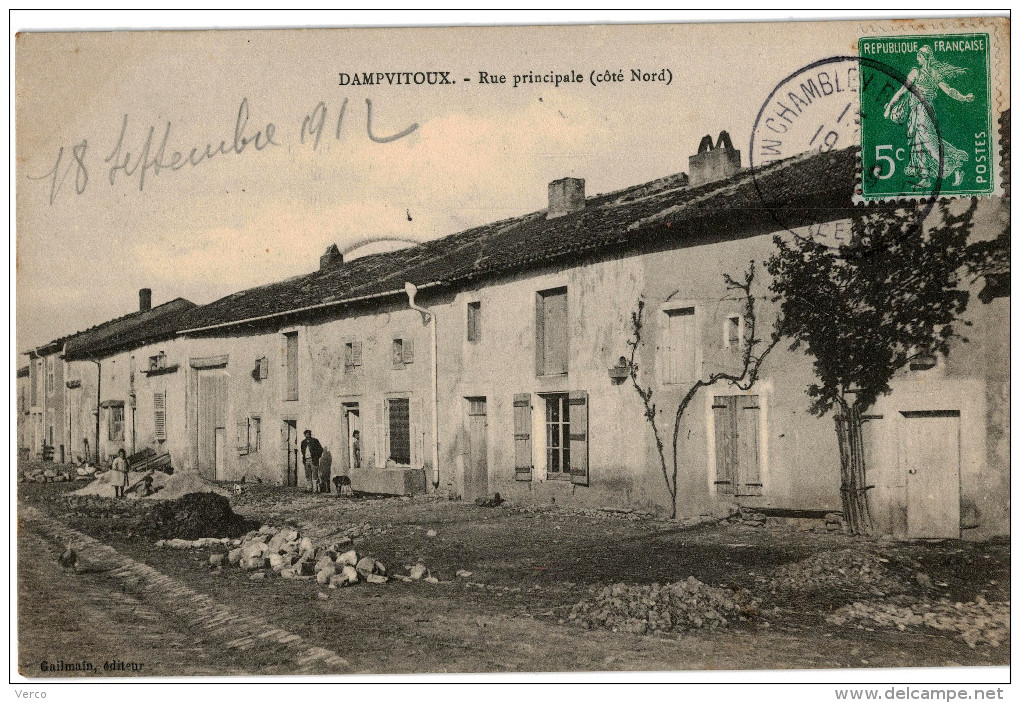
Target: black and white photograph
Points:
(661, 349)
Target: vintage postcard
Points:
(564, 348)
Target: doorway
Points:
(930, 456)
(291, 452)
(476, 455)
(350, 432)
(211, 407)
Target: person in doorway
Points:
(120, 474)
(356, 449)
(311, 452)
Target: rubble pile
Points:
(200, 543)
(855, 571)
(976, 622)
(679, 606)
(284, 551)
(182, 483)
(41, 475)
(103, 484)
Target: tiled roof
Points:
(664, 213)
(131, 330)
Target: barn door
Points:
(930, 456)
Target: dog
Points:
(342, 482)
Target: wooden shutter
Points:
(242, 436)
(348, 355)
(292, 366)
(579, 437)
(397, 354)
(407, 351)
(523, 462)
(748, 468)
(356, 353)
(724, 415)
(159, 414)
(263, 368)
(539, 334)
(474, 321)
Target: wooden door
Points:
(290, 447)
(220, 449)
(354, 448)
(930, 456)
(212, 409)
(476, 469)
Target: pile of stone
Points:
(284, 551)
(365, 529)
(855, 570)
(976, 622)
(40, 475)
(673, 607)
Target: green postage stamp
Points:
(931, 131)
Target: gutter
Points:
(308, 308)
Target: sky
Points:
(91, 230)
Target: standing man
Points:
(311, 452)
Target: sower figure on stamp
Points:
(928, 79)
(311, 452)
(120, 474)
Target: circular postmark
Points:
(818, 110)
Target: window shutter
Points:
(724, 418)
(539, 334)
(242, 436)
(264, 368)
(356, 353)
(747, 413)
(579, 437)
(397, 355)
(522, 437)
(407, 353)
(380, 435)
(159, 414)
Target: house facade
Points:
(504, 366)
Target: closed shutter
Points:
(159, 414)
(523, 462)
(242, 436)
(579, 437)
(407, 352)
(263, 368)
(292, 366)
(355, 353)
(725, 443)
(747, 445)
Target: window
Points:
(680, 346)
(291, 392)
(474, 321)
(116, 423)
(157, 362)
(551, 340)
(402, 352)
(557, 436)
(352, 355)
(49, 375)
(398, 430)
(733, 332)
(159, 414)
(261, 372)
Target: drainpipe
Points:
(426, 316)
(99, 396)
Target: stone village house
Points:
(504, 377)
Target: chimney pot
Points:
(565, 196)
(331, 258)
(714, 163)
(144, 299)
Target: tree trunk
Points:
(854, 487)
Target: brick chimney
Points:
(565, 196)
(331, 258)
(144, 299)
(714, 163)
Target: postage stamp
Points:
(932, 129)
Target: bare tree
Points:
(751, 361)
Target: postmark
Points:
(818, 110)
(934, 124)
